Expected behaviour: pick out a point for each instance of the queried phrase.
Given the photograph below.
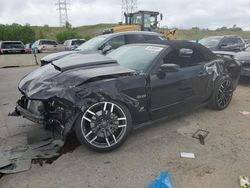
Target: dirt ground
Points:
(148, 151)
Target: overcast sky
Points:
(178, 13)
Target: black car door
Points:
(173, 92)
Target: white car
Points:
(45, 45)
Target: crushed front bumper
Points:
(30, 116)
(54, 114)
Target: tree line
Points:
(27, 34)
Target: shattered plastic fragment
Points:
(4, 161)
(16, 166)
(18, 159)
(244, 112)
(162, 181)
(187, 155)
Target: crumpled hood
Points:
(49, 81)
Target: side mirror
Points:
(106, 49)
(169, 68)
(223, 46)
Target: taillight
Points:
(43, 46)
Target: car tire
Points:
(104, 126)
(222, 94)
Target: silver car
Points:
(72, 44)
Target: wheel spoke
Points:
(105, 106)
(88, 134)
(93, 139)
(121, 126)
(91, 112)
(89, 120)
(119, 119)
(112, 108)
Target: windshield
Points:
(92, 44)
(210, 42)
(48, 42)
(134, 57)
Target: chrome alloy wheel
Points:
(104, 124)
(225, 94)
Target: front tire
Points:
(222, 94)
(104, 126)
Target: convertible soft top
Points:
(177, 44)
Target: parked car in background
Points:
(72, 44)
(28, 48)
(11, 47)
(102, 98)
(244, 58)
(105, 43)
(224, 43)
(44, 45)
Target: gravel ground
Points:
(148, 151)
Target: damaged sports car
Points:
(102, 98)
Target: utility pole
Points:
(63, 12)
(128, 6)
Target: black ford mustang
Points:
(102, 98)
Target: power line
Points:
(63, 12)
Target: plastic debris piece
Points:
(16, 166)
(4, 161)
(187, 155)
(244, 112)
(244, 182)
(162, 181)
(18, 158)
(201, 135)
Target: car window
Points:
(116, 42)
(77, 42)
(135, 38)
(210, 42)
(48, 42)
(229, 41)
(239, 40)
(65, 43)
(184, 57)
(92, 44)
(152, 38)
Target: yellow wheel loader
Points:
(143, 21)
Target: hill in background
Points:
(90, 31)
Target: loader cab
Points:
(148, 20)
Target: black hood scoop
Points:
(81, 60)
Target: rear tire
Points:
(222, 94)
(104, 126)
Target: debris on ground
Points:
(162, 181)
(18, 158)
(244, 182)
(244, 112)
(201, 135)
(187, 155)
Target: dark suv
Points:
(11, 47)
(106, 43)
(224, 43)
